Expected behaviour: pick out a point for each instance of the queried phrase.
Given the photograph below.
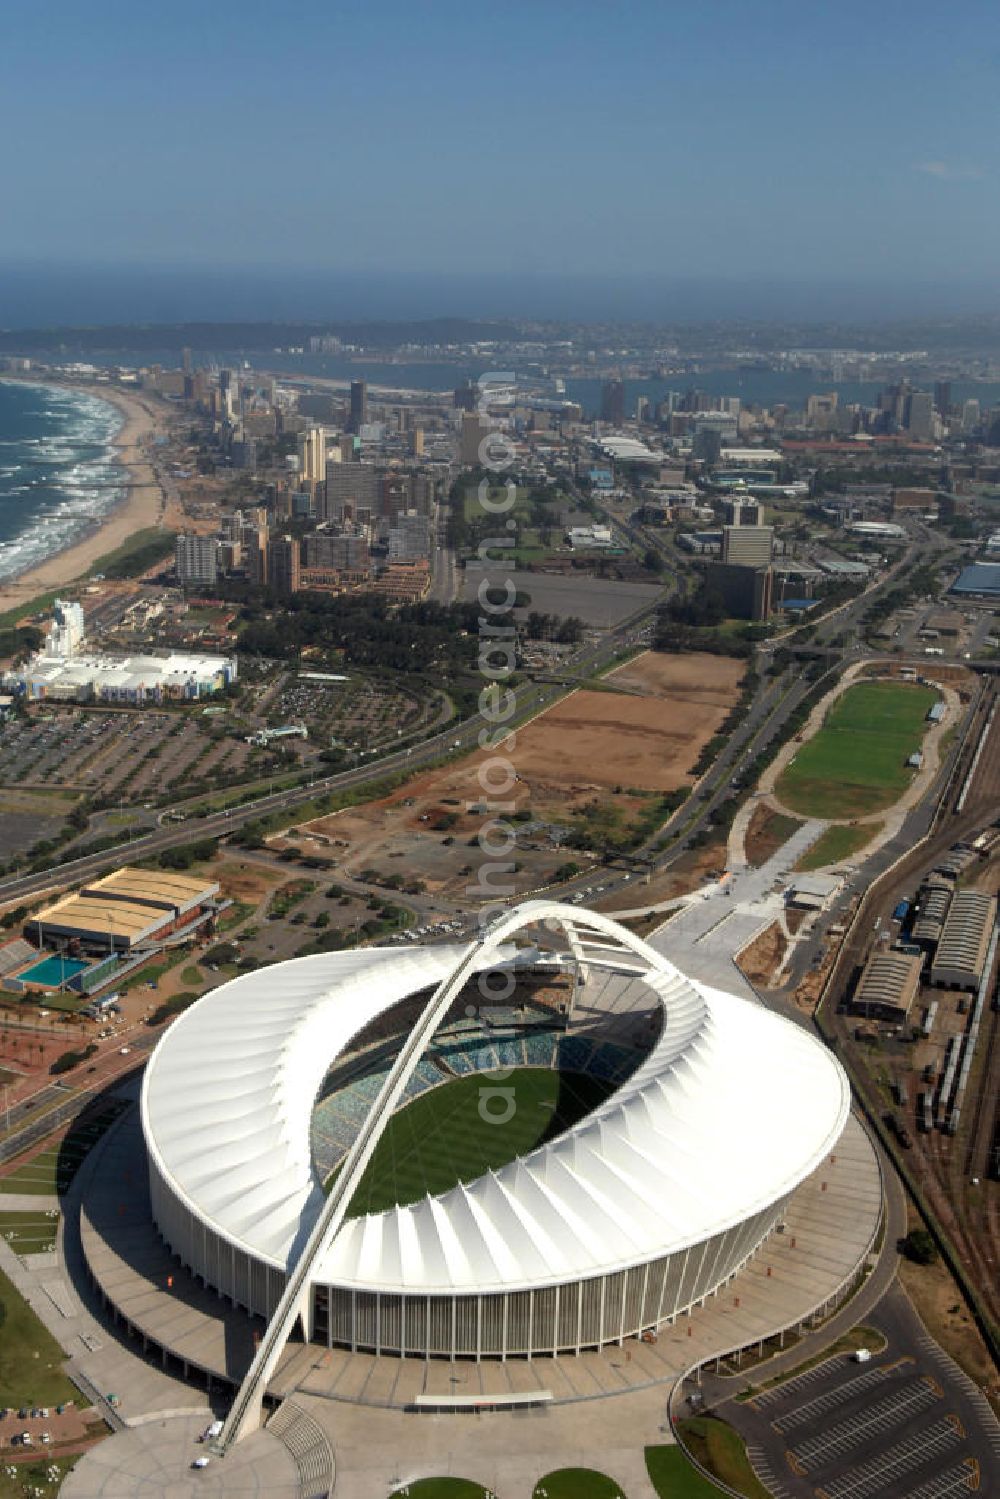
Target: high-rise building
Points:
(347, 553)
(312, 455)
(920, 414)
(66, 632)
(642, 409)
(474, 429)
(746, 592)
(741, 512)
(613, 402)
(284, 564)
(196, 559)
(747, 546)
(350, 487)
(942, 397)
(409, 539)
(359, 405)
(466, 397)
(971, 414)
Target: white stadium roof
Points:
(731, 1110)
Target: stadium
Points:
(541, 1142)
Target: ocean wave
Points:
(59, 448)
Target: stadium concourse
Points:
(319, 1156)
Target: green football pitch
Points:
(458, 1131)
(856, 763)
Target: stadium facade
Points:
(637, 1212)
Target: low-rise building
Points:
(888, 985)
(965, 939)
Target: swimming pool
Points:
(53, 971)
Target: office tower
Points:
(741, 512)
(359, 405)
(284, 564)
(942, 397)
(920, 414)
(747, 546)
(195, 559)
(186, 364)
(422, 493)
(409, 539)
(474, 429)
(746, 592)
(707, 445)
(613, 402)
(312, 455)
(417, 442)
(348, 553)
(348, 448)
(466, 397)
(350, 487)
(971, 415)
(642, 409)
(227, 392)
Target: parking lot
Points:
(894, 1428)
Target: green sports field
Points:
(856, 763)
(456, 1132)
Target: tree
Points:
(919, 1247)
(652, 560)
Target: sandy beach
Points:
(144, 503)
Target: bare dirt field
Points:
(596, 760)
(759, 961)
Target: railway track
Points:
(944, 1165)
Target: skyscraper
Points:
(942, 397)
(920, 414)
(613, 402)
(195, 559)
(284, 562)
(749, 546)
(359, 405)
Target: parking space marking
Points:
(946, 1483)
(886, 1414)
(804, 1415)
(764, 1471)
(870, 1478)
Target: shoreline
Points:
(143, 504)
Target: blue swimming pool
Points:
(53, 971)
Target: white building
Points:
(66, 633)
(122, 679)
(716, 1110)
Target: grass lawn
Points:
(441, 1137)
(673, 1476)
(52, 1170)
(836, 843)
(30, 1358)
(721, 1450)
(192, 975)
(856, 1337)
(34, 1474)
(856, 762)
(441, 1488)
(576, 1483)
(29, 1233)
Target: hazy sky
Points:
(852, 141)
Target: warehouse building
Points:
(124, 910)
(961, 952)
(888, 986)
(933, 900)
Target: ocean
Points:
(59, 473)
